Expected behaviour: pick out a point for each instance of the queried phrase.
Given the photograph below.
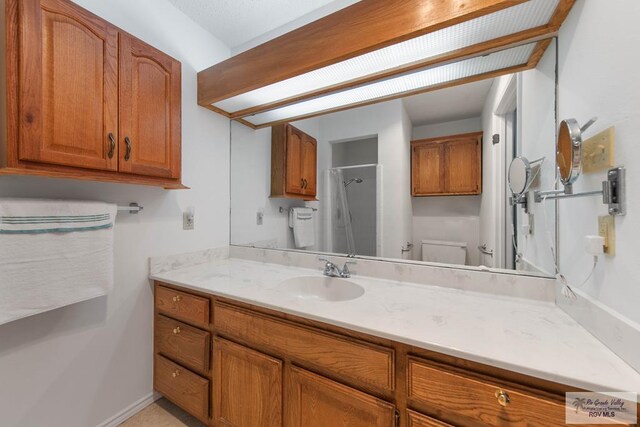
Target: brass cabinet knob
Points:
(503, 397)
(177, 298)
(175, 374)
(176, 330)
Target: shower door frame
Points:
(328, 231)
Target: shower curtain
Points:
(340, 218)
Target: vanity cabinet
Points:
(86, 100)
(294, 168)
(447, 166)
(269, 369)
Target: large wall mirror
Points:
(421, 179)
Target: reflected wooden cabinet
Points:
(315, 401)
(294, 168)
(247, 387)
(447, 166)
(86, 100)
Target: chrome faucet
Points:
(332, 270)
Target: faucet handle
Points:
(325, 260)
(345, 270)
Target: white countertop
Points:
(529, 337)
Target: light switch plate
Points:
(188, 221)
(599, 152)
(607, 230)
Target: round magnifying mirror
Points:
(569, 155)
(519, 175)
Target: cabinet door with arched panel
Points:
(68, 86)
(150, 110)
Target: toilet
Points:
(444, 252)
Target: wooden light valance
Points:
(362, 28)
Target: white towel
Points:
(52, 254)
(304, 233)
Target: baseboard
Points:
(131, 410)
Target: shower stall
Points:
(354, 210)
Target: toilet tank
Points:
(444, 252)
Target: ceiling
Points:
(237, 22)
(454, 103)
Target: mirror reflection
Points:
(426, 178)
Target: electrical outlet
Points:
(599, 152)
(260, 218)
(188, 221)
(607, 230)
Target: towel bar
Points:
(283, 210)
(133, 208)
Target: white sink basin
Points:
(323, 288)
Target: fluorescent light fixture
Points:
(525, 16)
(397, 86)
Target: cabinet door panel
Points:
(416, 419)
(150, 109)
(309, 165)
(294, 165)
(314, 401)
(427, 169)
(462, 174)
(248, 387)
(68, 86)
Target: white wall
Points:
(390, 122)
(598, 77)
(82, 364)
(473, 124)
(251, 171)
(536, 139)
(251, 187)
(452, 218)
(492, 169)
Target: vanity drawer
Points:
(182, 343)
(186, 389)
(416, 419)
(346, 357)
(183, 306)
(451, 391)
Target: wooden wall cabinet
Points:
(447, 166)
(294, 165)
(270, 369)
(86, 100)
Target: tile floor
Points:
(162, 413)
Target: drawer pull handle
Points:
(175, 374)
(503, 397)
(176, 330)
(177, 298)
